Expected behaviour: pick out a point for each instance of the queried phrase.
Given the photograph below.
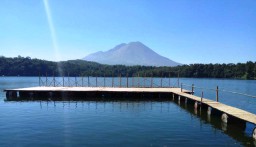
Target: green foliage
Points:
(25, 66)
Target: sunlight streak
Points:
(53, 34)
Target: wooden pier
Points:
(228, 114)
(90, 93)
(227, 111)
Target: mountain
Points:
(133, 53)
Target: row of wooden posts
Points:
(55, 82)
(202, 95)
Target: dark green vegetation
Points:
(21, 66)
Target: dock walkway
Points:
(97, 89)
(235, 112)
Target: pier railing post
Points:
(75, 82)
(120, 81)
(96, 81)
(178, 78)
(54, 80)
(132, 81)
(68, 81)
(39, 80)
(138, 80)
(217, 94)
(63, 82)
(88, 81)
(82, 81)
(144, 80)
(192, 89)
(46, 80)
(162, 80)
(181, 87)
(169, 80)
(151, 80)
(104, 80)
(127, 84)
(112, 80)
(202, 97)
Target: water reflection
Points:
(232, 130)
(235, 132)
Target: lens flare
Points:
(53, 35)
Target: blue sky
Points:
(186, 31)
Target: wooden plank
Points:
(238, 113)
(109, 89)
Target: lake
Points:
(124, 123)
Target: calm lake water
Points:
(123, 123)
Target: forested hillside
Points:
(25, 66)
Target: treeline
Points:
(25, 66)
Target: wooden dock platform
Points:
(97, 89)
(227, 113)
(232, 111)
(89, 93)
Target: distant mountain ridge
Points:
(133, 53)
